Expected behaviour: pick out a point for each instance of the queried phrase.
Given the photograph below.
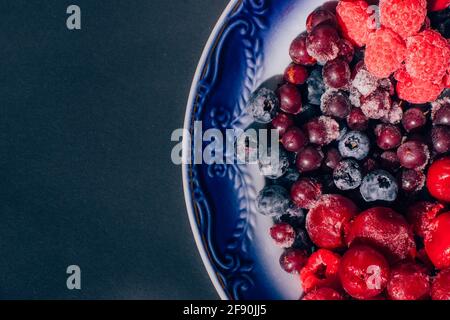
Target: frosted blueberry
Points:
(273, 201)
(263, 105)
(273, 166)
(379, 185)
(347, 175)
(355, 145)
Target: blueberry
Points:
(263, 105)
(273, 166)
(294, 216)
(273, 201)
(347, 175)
(316, 87)
(379, 185)
(288, 179)
(354, 144)
(302, 241)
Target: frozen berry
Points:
(290, 99)
(306, 192)
(263, 105)
(326, 294)
(355, 145)
(363, 81)
(320, 271)
(328, 221)
(316, 87)
(385, 52)
(379, 185)
(421, 215)
(413, 154)
(296, 74)
(294, 139)
(426, 53)
(404, 17)
(389, 160)
(354, 20)
(336, 73)
(322, 43)
(408, 281)
(363, 272)
(347, 175)
(377, 105)
(395, 114)
(388, 136)
(386, 230)
(335, 104)
(440, 136)
(282, 122)
(273, 201)
(322, 130)
(413, 119)
(438, 179)
(437, 243)
(440, 289)
(309, 159)
(332, 158)
(412, 180)
(415, 90)
(346, 50)
(273, 164)
(283, 234)
(357, 120)
(441, 116)
(319, 16)
(293, 260)
(438, 5)
(298, 51)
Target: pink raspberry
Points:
(385, 52)
(405, 17)
(428, 56)
(355, 21)
(416, 90)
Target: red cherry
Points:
(440, 290)
(363, 272)
(323, 294)
(421, 215)
(282, 122)
(293, 260)
(386, 230)
(438, 180)
(329, 219)
(305, 192)
(437, 243)
(283, 234)
(296, 74)
(321, 270)
(409, 281)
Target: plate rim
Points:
(185, 145)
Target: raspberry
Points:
(405, 17)
(385, 53)
(440, 289)
(415, 90)
(355, 21)
(428, 56)
(321, 270)
(323, 294)
(408, 281)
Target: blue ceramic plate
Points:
(249, 44)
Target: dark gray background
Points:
(85, 170)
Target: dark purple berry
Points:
(357, 120)
(298, 51)
(346, 50)
(336, 74)
(283, 234)
(413, 154)
(296, 74)
(332, 158)
(309, 159)
(322, 43)
(322, 130)
(388, 136)
(282, 122)
(306, 192)
(294, 139)
(290, 99)
(389, 160)
(440, 136)
(320, 16)
(293, 260)
(442, 115)
(335, 104)
(412, 180)
(413, 119)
